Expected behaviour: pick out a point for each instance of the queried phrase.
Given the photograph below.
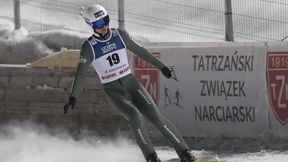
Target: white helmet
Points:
(96, 16)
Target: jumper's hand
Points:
(71, 104)
(166, 71)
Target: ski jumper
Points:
(109, 58)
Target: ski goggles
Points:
(101, 23)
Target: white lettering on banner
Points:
(222, 88)
(281, 94)
(224, 113)
(148, 76)
(223, 63)
(150, 87)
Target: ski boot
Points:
(153, 158)
(187, 157)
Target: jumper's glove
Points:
(71, 103)
(166, 71)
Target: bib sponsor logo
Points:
(277, 75)
(108, 76)
(109, 48)
(124, 70)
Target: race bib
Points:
(110, 57)
(112, 66)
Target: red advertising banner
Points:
(277, 76)
(148, 76)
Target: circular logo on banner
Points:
(277, 76)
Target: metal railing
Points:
(163, 20)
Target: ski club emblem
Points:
(277, 80)
(148, 76)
